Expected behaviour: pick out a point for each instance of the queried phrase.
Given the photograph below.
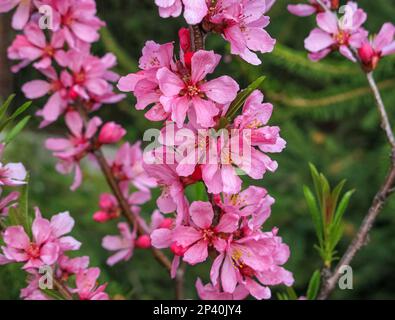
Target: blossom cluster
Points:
(177, 88)
(241, 23)
(47, 247)
(345, 33)
(181, 93)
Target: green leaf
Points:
(6, 104)
(20, 215)
(314, 285)
(18, 112)
(291, 293)
(316, 180)
(52, 294)
(342, 207)
(16, 130)
(237, 104)
(315, 213)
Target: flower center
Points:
(208, 234)
(33, 251)
(79, 77)
(342, 38)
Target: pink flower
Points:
(7, 202)
(188, 92)
(111, 133)
(77, 19)
(202, 234)
(122, 244)
(383, 44)
(57, 86)
(41, 250)
(127, 167)
(12, 174)
(144, 84)
(335, 34)
(32, 46)
(172, 197)
(304, 10)
(87, 289)
(70, 151)
(254, 262)
(252, 202)
(90, 74)
(242, 23)
(22, 14)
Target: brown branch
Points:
(123, 203)
(197, 37)
(330, 280)
(62, 289)
(385, 124)
(180, 294)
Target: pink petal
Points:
(202, 214)
(228, 275)
(61, 224)
(194, 10)
(197, 253)
(222, 90)
(229, 223)
(301, 10)
(16, 237)
(203, 63)
(36, 89)
(22, 15)
(169, 83)
(49, 253)
(41, 230)
(328, 22)
(185, 236)
(318, 40)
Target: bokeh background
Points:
(326, 115)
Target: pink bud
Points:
(101, 216)
(366, 53)
(143, 242)
(107, 201)
(185, 39)
(111, 133)
(166, 223)
(177, 249)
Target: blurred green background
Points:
(326, 115)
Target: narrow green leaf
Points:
(342, 207)
(16, 130)
(237, 104)
(316, 180)
(18, 112)
(6, 104)
(291, 293)
(336, 193)
(52, 294)
(315, 213)
(314, 285)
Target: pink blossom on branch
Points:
(72, 150)
(337, 34)
(47, 243)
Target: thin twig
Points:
(385, 124)
(62, 289)
(330, 281)
(123, 203)
(180, 294)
